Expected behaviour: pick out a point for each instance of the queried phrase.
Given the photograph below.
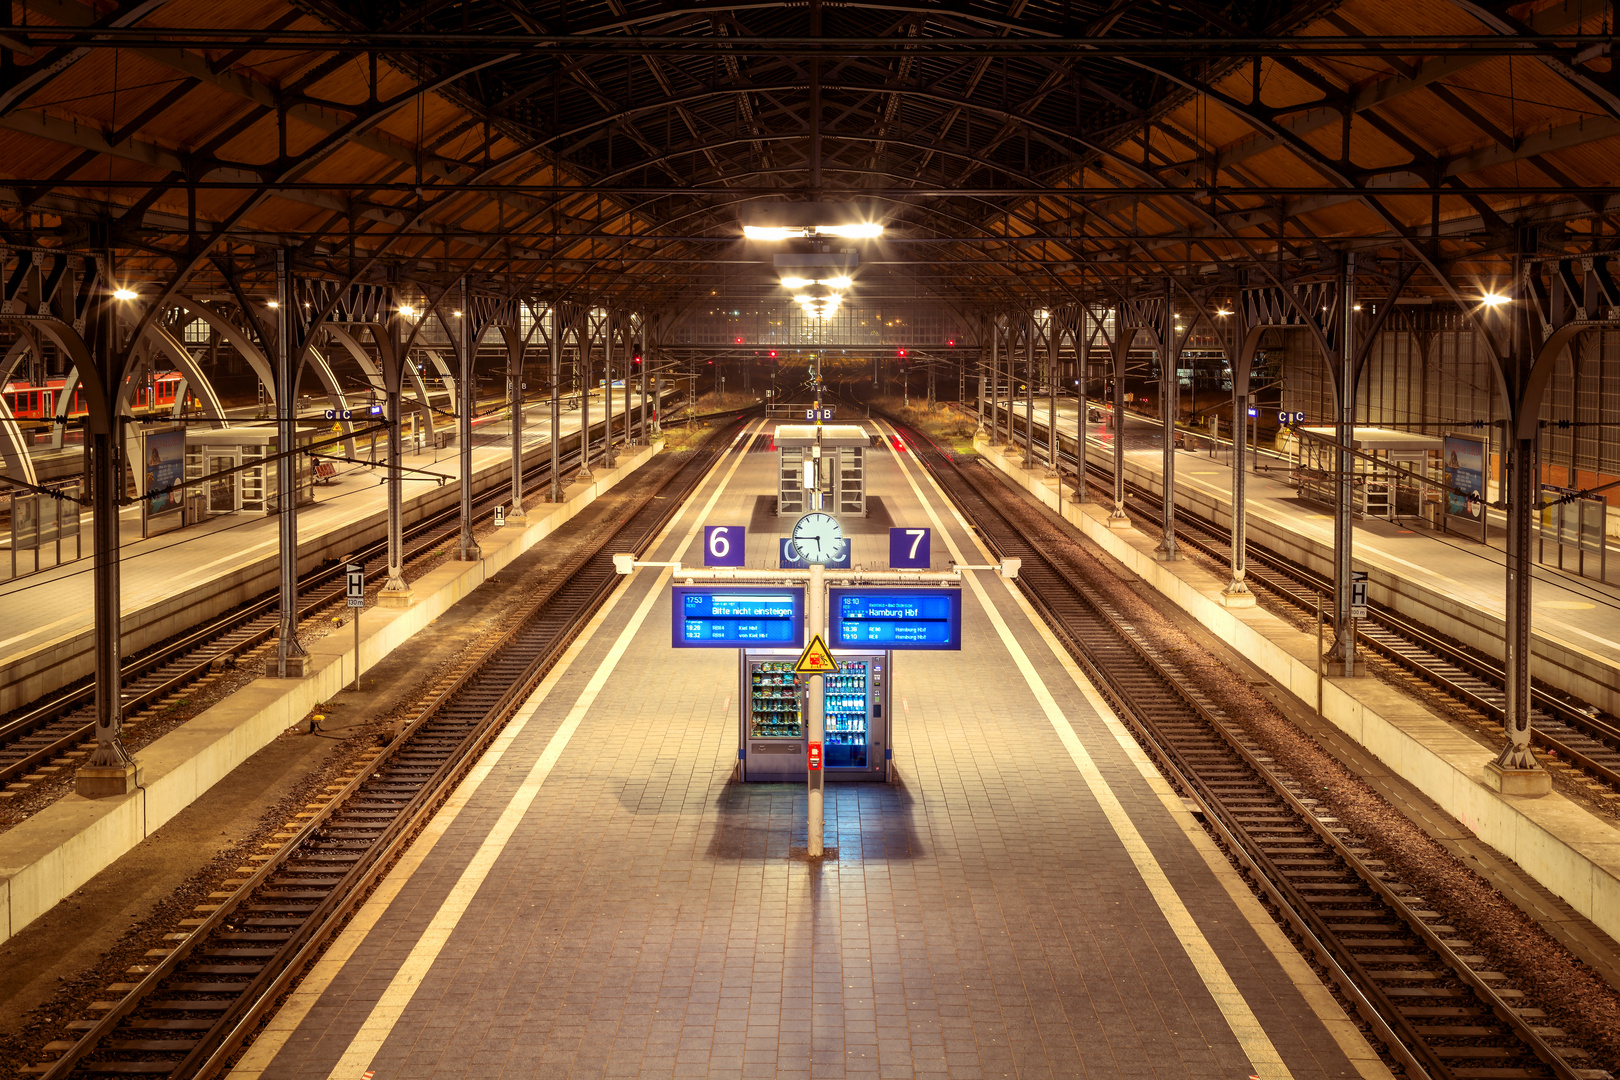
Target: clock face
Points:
(818, 539)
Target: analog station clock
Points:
(818, 538)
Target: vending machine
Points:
(774, 732)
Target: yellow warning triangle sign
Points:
(816, 659)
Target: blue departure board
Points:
(890, 618)
(737, 616)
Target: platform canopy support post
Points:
(516, 346)
(980, 370)
(1525, 366)
(1082, 346)
(396, 592)
(465, 330)
(607, 389)
(629, 367)
(1054, 341)
(556, 402)
(1169, 406)
(1240, 343)
(1031, 333)
(110, 770)
(291, 656)
(995, 380)
(1117, 517)
(1342, 656)
(584, 371)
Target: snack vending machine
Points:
(775, 735)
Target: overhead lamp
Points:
(837, 282)
(1492, 299)
(124, 294)
(1223, 313)
(865, 230)
(268, 303)
(796, 282)
(407, 311)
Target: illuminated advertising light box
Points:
(895, 618)
(737, 617)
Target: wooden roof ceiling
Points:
(1015, 151)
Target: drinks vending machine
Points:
(774, 729)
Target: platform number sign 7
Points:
(910, 549)
(724, 545)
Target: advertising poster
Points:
(1465, 480)
(24, 522)
(165, 468)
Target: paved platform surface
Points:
(44, 607)
(1580, 611)
(604, 897)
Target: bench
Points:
(325, 472)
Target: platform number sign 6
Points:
(910, 549)
(724, 545)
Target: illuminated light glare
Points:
(796, 282)
(273, 303)
(406, 310)
(1223, 313)
(858, 231)
(837, 282)
(1491, 299)
(124, 294)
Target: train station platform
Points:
(179, 577)
(1454, 584)
(1570, 850)
(604, 897)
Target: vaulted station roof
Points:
(1015, 152)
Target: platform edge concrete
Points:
(1567, 849)
(48, 856)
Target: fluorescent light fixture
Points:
(837, 282)
(271, 303)
(862, 231)
(124, 294)
(859, 231)
(407, 311)
(796, 282)
(1492, 299)
(770, 232)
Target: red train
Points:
(29, 402)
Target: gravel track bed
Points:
(1573, 996)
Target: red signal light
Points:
(773, 354)
(951, 343)
(900, 352)
(739, 341)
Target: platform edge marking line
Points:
(1244, 1025)
(396, 998)
(290, 1016)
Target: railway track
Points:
(1580, 735)
(49, 728)
(1413, 979)
(201, 1003)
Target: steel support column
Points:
(397, 591)
(1117, 518)
(467, 549)
(586, 343)
(556, 404)
(1082, 347)
(291, 657)
(629, 353)
(1053, 341)
(1342, 657)
(1169, 407)
(1237, 591)
(607, 392)
(110, 769)
(516, 346)
(1029, 393)
(1516, 770)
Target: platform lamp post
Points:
(109, 770)
(467, 548)
(291, 656)
(556, 403)
(1342, 658)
